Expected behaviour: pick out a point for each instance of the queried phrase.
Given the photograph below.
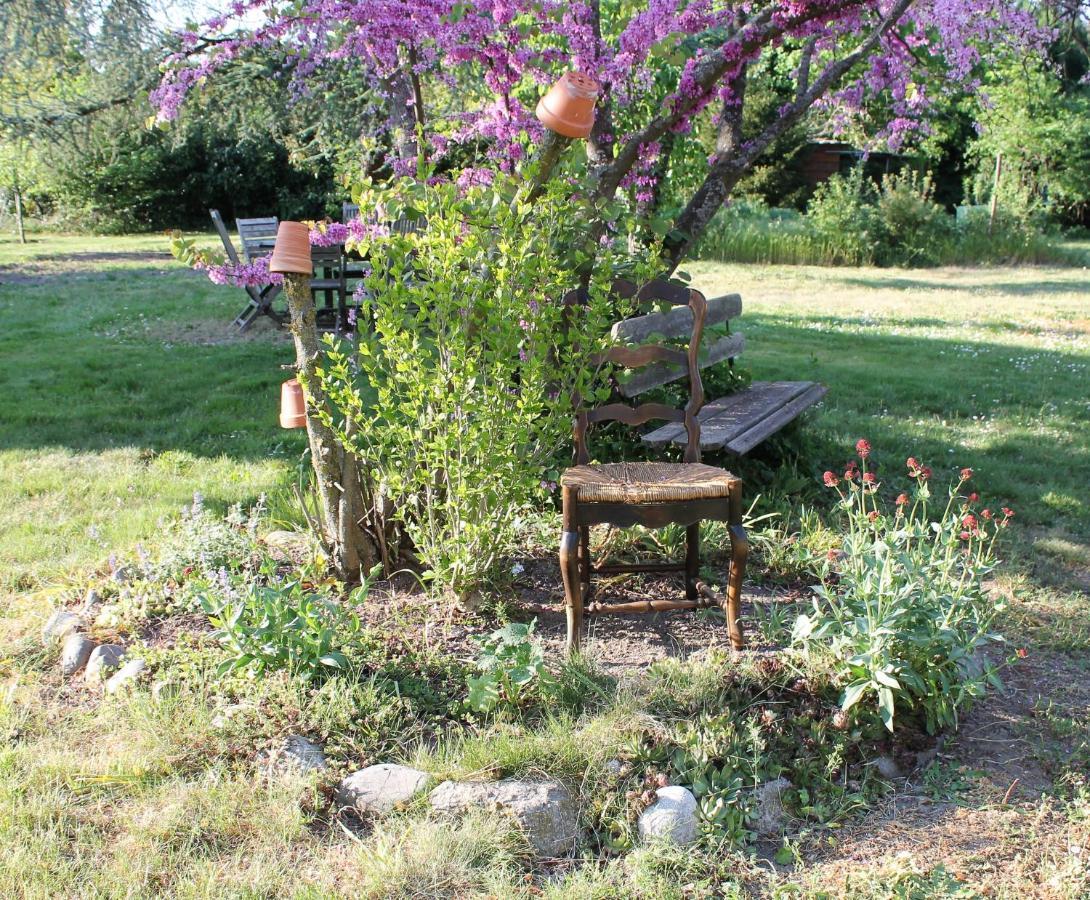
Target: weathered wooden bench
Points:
(736, 423)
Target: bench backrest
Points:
(690, 309)
(675, 324)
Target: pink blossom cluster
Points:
(648, 63)
(250, 274)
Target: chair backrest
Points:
(255, 235)
(229, 248)
(654, 292)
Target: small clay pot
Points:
(292, 251)
(293, 405)
(568, 107)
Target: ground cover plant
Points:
(158, 788)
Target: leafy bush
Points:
(470, 362)
(843, 214)
(914, 230)
(512, 667)
(901, 610)
(282, 626)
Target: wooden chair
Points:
(258, 236)
(652, 494)
(260, 298)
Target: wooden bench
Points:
(736, 423)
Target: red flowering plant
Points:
(901, 606)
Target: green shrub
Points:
(512, 669)
(901, 611)
(471, 362)
(282, 626)
(913, 229)
(843, 214)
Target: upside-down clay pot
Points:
(293, 405)
(568, 107)
(291, 254)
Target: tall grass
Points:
(753, 234)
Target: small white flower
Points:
(517, 569)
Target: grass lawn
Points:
(125, 389)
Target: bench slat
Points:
(677, 322)
(773, 423)
(663, 373)
(734, 416)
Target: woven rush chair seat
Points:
(648, 482)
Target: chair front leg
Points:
(569, 571)
(739, 550)
(692, 560)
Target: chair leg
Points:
(692, 560)
(569, 570)
(584, 559)
(739, 550)
(573, 587)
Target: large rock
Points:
(125, 676)
(75, 652)
(672, 817)
(103, 659)
(545, 810)
(294, 755)
(59, 625)
(379, 789)
(769, 816)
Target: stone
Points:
(103, 659)
(75, 652)
(545, 810)
(769, 816)
(125, 676)
(887, 767)
(672, 817)
(59, 625)
(288, 543)
(294, 755)
(91, 601)
(379, 789)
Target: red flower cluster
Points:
(902, 499)
(831, 479)
(862, 447)
(966, 474)
(915, 470)
(869, 478)
(851, 471)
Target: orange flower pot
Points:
(293, 405)
(291, 255)
(568, 107)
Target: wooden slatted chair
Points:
(260, 298)
(258, 236)
(652, 494)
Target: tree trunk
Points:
(341, 504)
(17, 190)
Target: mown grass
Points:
(124, 391)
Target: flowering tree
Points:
(457, 81)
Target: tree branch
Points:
(725, 173)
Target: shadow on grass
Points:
(1012, 288)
